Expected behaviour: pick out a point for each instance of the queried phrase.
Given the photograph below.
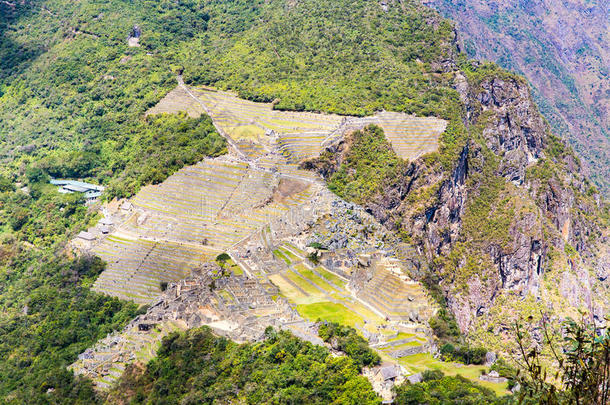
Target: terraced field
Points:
(400, 300)
(231, 112)
(191, 217)
(116, 354)
(411, 137)
(301, 135)
(136, 267)
(256, 128)
(175, 101)
(320, 293)
(424, 361)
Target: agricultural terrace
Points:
(194, 215)
(411, 137)
(136, 267)
(144, 347)
(299, 135)
(321, 294)
(176, 101)
(417, 363)
(399, 300)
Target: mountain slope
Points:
(561, 47)
(512, 223)
(501, 212)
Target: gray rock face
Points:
(517, 137)
(560, 46)
(516, 130)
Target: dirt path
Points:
(232, 143)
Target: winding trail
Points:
(221, 131)
(242, 157)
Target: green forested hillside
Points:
(342, 57)
(72, 100)
(198, 368)
(73, 94)
(84, 90)
(561, 47)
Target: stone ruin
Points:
(236, 307)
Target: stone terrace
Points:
(197, 213)
(301, 135)
(394, 294)
(237, 307)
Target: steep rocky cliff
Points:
(510, 219)
(561, 47)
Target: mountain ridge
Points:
(559, 47)
(500, 216)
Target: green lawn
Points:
(331, 277)
(286, 289)
(225, 295)
(405, 335)
(280, 255)
(291, 256)
(365, 311)
(424, 361)
(402, 346)
(301, 282)
(296, 249)
(234, 267)
(402, 335)
(331, 312)
(319, 281)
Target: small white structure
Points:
(106, 222)
(383, 379)
(134, 38)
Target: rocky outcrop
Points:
(493, 219)
(560, 46)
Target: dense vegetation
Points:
(437, 389)
(77, 109)
(580, 373)
(347, 340)
(73, 97)
(370, 164)
(344, 57)
(45, 331)
(197, 367)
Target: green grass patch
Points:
(225, 295)
(424, 361)
(367, 313)
(296, 249)
(286, 289)
(330, 311)
(413, 343)
(280, 255)
(310, 275)
(289, 254)
(234, 267)
(301, 282)
(333, 278)
(402, 335)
